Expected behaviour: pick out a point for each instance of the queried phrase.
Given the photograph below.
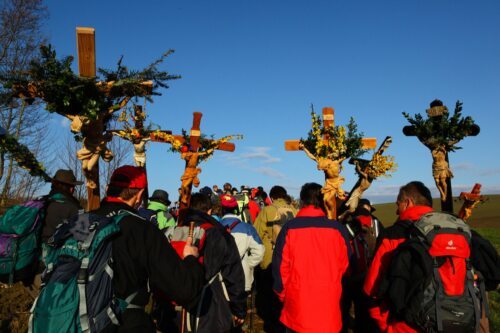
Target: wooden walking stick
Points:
(183, 313)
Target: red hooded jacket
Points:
(389, 241)
(310, 258)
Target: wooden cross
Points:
(191, 152)
(331, 168)
(471, 200)
(441, 171)
(91, 126)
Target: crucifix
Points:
(95, 136)
(471, 200)
(330, 165)
(193, 152)
(366, 174)
(87, 103)
(138, 135)
(440, 134)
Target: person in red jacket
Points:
(310, 259)
(414, 200)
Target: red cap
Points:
(129, 176)
(228, 201)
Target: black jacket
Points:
(220, 254)
(143, 257)
(57, 211)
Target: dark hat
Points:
(129, 176)
(206, 190)
(66, 177)
(160, 196)
(366, 202)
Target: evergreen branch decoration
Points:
(23, 156)
(66, 93)
(442, 129)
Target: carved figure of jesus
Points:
(440, 169)
(140, 152)
(364, 183)
(191, 171)
(333, 180)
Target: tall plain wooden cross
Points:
(332, 176)
(192, 154)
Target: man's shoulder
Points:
(397, 231)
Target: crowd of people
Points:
(205, 269)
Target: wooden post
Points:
(85, 38)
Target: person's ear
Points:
(139, 196)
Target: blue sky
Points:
(255, 67)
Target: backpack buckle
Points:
(83, 276)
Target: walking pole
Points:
(252, 307)
(183, 313)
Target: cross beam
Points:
(329, 121)
(192, 153)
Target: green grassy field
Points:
(485, 219)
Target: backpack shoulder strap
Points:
(232, 225)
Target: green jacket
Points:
(163, 217)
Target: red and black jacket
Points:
(310, 258)
(390, 239)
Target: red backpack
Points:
(451, 300)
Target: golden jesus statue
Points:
(333, 180)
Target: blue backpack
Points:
(20, 229)
(77, 292)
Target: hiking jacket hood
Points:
(310, 258)
(143, 257)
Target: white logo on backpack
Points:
(450, 245)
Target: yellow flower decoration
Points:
(381, 165)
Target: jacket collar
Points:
(110, 206)
(310, 211)
(414, 213)
(155, 205)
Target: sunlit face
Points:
(402, 205)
